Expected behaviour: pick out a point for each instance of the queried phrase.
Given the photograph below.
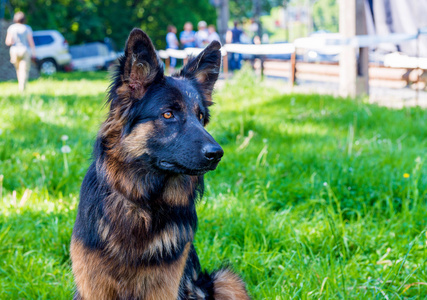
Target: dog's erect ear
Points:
(141, 65)
(204, 68)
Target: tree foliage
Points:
(244, 9)
(92, 20)
(326, 15)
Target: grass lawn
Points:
(315, 198)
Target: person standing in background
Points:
(233, 37)
(20, 37)
(202, 35)
(172, 43)
(187, 37)
(213, 35)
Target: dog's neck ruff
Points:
(142, 187)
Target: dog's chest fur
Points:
(158, 230)
(141, 248)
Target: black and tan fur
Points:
(134, 232)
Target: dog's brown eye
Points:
(167, 115)
(200, 116)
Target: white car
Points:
(51, 51)
(92, 56)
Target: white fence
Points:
(328, 44)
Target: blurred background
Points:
(381, 42)
(320, 110)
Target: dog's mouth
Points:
(166, 165)
(179, 169)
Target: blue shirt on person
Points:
(171, 41)
(236, 34)
(188, 35)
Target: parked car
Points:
(315, 50)
(92, 56)
(51, 51)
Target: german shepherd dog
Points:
(136, 221)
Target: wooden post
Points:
(417, 96)
(362, 79)
(354, 79)
(225, 65)
(223, 13)
(256, 11)
(261, 58)
(293, 68)
(168, 60)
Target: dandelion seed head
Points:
(65, 149)
(64, 138)
(325, 184)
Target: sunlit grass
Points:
(315, 198)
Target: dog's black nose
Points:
(212, 152)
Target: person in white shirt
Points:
(213, 35)
(20, 37)
(202, 35)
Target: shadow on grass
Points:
(333, 113)
(76, 75)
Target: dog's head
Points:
(156, 122)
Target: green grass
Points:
(309, 202)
